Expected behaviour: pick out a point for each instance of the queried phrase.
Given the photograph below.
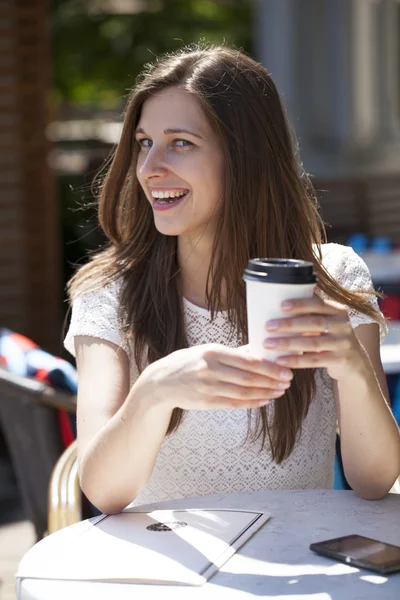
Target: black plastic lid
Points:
(280, 270)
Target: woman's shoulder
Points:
(96, 313)
(342, 262)
(333, 253)
(96, 294)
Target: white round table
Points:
(275, 563)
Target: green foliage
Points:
(97, 56)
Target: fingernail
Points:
(271, 342)
(287, 304)
(271, 325)
(286, 374)
(277, 394)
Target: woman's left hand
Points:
(321, 330)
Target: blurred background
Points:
(65, 69)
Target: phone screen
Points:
(363, 549)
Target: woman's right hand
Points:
(213, 376)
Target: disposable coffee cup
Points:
(269, 282)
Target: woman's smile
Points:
(166, 199)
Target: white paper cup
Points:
(269, 282)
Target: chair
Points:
(64, 500)
(67, 504)
(30, 425)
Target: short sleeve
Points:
(351, 272)
(96, 314)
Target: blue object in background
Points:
(381, 245)
(393, 382)
(339, 481)
(359, 242)
(396, 401)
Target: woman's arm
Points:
(369, 434)
(370, 439)
(120, 430)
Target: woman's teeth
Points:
(167, 197)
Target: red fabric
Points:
(23, 342)
(23, 356)
(67, 436)
(41, 375)
(390, 307)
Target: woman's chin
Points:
(169, 229)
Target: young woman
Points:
(171, 403)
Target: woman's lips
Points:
(160, 205)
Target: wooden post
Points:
(30, 239)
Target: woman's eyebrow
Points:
(173, 130)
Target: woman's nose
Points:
(153, 164)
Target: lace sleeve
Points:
(96, 314)
(351, 272)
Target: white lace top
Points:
(208, 454)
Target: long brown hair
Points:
(269, 209)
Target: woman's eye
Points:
(178, 143)
(182, 143)
(144, 143)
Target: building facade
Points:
(337, 64)
(30, 240)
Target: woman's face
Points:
(179, 164)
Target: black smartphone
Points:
(360, 551)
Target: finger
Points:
(315, 304)
(321, 343)
(243, 393)
(310, 324)
(246, 362)
(309, 360)
(249, 379)
(239, 392)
